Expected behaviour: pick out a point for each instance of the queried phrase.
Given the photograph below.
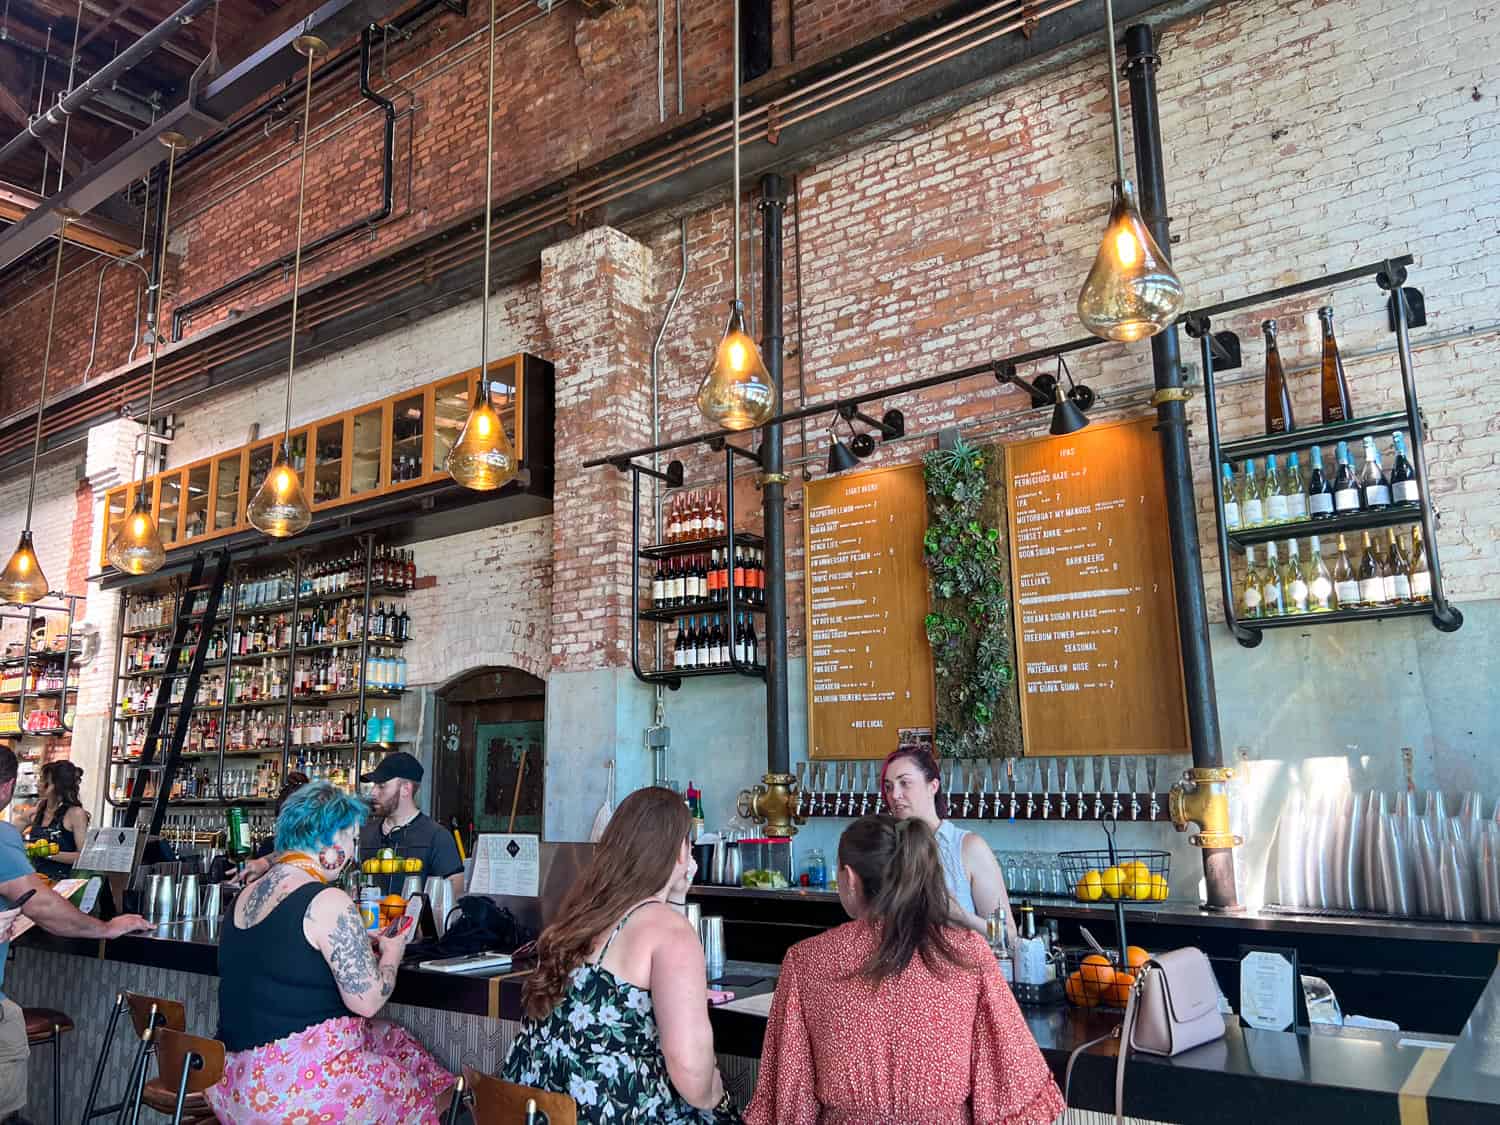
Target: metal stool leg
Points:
(56, 1041)
(191, 1063)
(109, 1038)
(458, 1101)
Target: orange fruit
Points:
(1136, 956)
(1078, 994)
(1097, 974)
(1117, 995)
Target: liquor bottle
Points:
(1271, 599)
(1292, 581)
(752, 649)
(1345, 488)
(1294, 489)
(759, 577)
(719, 644)
(738, 576)
(1335, 389)
(678, 646)
(1421, 577)
(1398, 570)
(1231, 499)
(1404, 487)
(1372, 576)
(1250, 603)
(1275, 498)
(700, 578)
(1345, 578)
(1374, 489)
(1278, 401)
(1252, 504)
(1320, 591)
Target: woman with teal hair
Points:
(300, 979)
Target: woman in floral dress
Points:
(617, 1009)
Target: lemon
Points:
(390, 866)
(1139, 886)
(1159, 888)
(1090, 888)
(1113, 880)
(413, 864)
(1135, 870)
(370, 867)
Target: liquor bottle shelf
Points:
(673, 679)
(50, 693)
(1394, 516)
(1307, 436)
(312, 601)
(17, 661)
(717, 606)
(698, 546)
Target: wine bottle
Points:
(1335, 389)
(752, 645)
(1293, 583)
(1252, 504)
(1231, 499)
(1250, 604)
(1275, 498)
(1421, 577)
(1278, 401)
(1374, 489)
(1320, 592)
(1404, 488)
(1398, 570)
(678, 645)
(1294, 489)
(1319, 492)
(1345, 486)
(1372, 588)
(1345, 579)
(1271, 600)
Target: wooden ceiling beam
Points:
(96, 233)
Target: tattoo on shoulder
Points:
(257, 898)
(354, 966)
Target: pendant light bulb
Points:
(22, 581)
(737, 393)
(136, 548)
(1132, 292)
(279, 509)
(483, 458)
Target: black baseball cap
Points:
(400, 764)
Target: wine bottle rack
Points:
(1220, 352)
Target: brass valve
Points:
(773, 803)
(1202, 798)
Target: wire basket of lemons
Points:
(1117, 876)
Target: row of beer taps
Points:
(991, 789)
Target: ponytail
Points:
(898, 863)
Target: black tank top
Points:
(271, 982)
(55, 832)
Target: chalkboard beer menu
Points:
(1098, 659)
(869, 667)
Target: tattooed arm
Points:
(334, 927)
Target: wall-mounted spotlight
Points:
(843, 456)
(1046, 390)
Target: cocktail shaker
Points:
(187, 897)
(713, 945)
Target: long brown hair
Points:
(898, 863)
(923, 759)
(632, 862)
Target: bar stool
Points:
(46, 1025)
(146, 1014)
(187, 1065)
(493, 1101)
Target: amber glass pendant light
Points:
(483, 457)
(737, 393)
(22, 580)
(136, 547)
(279, 508)
(1132, 291)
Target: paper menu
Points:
(507, 864)
(109, 850)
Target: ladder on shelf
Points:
(197, 613)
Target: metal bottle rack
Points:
(1221, 352)
(54, 603)
(730, 606)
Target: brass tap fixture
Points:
(1202, 798)
(773, 803)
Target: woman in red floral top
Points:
(899, 1017)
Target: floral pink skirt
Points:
(349, 1071)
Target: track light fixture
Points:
(1046, 390)
(840, 457)
(843, 456)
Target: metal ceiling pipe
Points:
(104, 77)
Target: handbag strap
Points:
(1127, 1028)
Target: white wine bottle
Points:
(1294, 488)
(1421, 577)
(1250, 604)
(1372, 588)
(1271, 599)
(1319, 492)
(1275, 504)
(1252, 505)
(1398, 569)
(1345, 485)
(1231, 499)
(1404, 487)
(1320, 592)
(1293, 585)
(1374, 489)
(1345, 578)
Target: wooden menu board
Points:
(869, 666)
(1097, 654)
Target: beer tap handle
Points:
(867, 790)
(1078, 765)
(1151, 785)
(1099, 786)
(1046, 787)
(1010, 773)
(1135, 801)
(1114, 785)
(1062, 785)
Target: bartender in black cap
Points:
(395, 822)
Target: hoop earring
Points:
(340, 857)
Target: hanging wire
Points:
(735, 32)
(489, 197)
(1114, 91)
(41, 402)
(291, 361)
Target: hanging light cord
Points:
(291, 361)
(489, 188)
(735, 31)
(41, 402)
(166, 209)
(1114, 91)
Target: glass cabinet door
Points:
(328, 463)
(169, 508)
(451, 402)
(262, 457)
(296, 452)
(227, 499)
(195, 502)
(115, 504)
(503, 377)
(366, 449)
(408, 429)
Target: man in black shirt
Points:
(396, 822)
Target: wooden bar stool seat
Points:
(493, 1101)
(47, 1025)
(187, 1065)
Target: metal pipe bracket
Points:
(1202, 798)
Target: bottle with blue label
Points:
(372, 726)
(387, 727)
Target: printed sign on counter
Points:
(1098, 658)
(507, 865)
(869, 666)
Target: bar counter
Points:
(1329, 1074)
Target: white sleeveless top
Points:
(950, 843)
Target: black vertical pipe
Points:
(778, 727)
(1141, 61)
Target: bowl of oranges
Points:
(1097, 980)
(1098, 876)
